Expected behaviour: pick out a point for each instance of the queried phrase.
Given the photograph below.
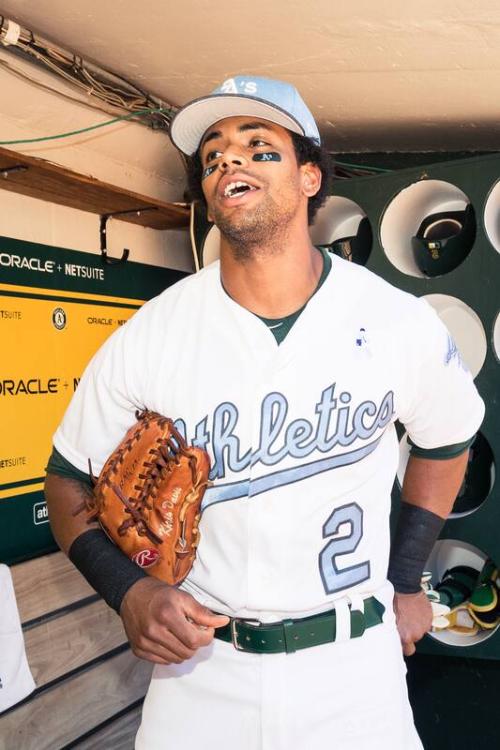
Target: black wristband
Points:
(104, 566)
(416, 532)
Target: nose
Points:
(232, 157)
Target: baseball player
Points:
(290, 367)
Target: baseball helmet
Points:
(355, 248)
(477, 481)
(444, 240)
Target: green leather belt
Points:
(292, 635)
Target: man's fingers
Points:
(166, 633)
(182, 626)
(413, 618)
(223, 620)
(193, 635)
(409, 648)
(197, 626)
(169, 658)
(164, 646)
(173, 627)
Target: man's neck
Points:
(273, 283)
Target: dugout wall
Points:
(453, 679)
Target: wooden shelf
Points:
(30, 175)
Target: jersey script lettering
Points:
(336, 423)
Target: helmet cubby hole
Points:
(428, 228)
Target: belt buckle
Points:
(234, 634)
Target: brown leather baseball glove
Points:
(148, 496)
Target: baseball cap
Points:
(252, 96)
(443, 240)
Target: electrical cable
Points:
(367, 167)
(346, 170)
(97, 83)
(21, 74)
(81, 130)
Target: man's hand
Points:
(165, 625)
(413, 619)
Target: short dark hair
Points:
(306, 151)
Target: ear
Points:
(311, 179)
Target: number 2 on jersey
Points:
(333, 578)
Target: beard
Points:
(260, 231)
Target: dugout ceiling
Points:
(378, 76)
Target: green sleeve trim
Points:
(442, 453)
(59, 465)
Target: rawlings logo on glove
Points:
(148, 496)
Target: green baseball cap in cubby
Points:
(444, 240)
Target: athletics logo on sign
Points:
(59, 318)
(40, 513)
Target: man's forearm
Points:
(65, 497)
(434, 484)
(429, 489)
(86, 545)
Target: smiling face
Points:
(254, 188)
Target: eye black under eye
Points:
(208, 171)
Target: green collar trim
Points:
(280, 327)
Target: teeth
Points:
(233, 187)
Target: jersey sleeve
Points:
(57, 464)
(106, 400)
(444, 452)
(438, 402)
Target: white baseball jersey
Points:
(304, 454)
(301, 435)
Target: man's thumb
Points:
(204, 616)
